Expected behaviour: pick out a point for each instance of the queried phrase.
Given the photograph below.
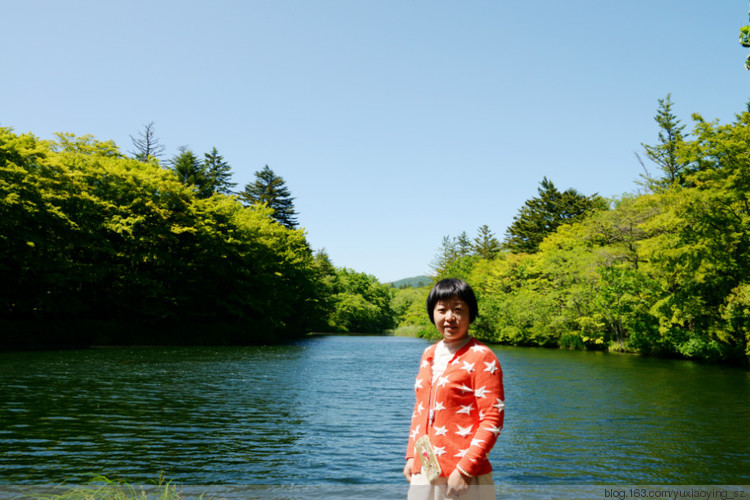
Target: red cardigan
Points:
(467, 403)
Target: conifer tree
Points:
(270, 189)
(463, 245)
(542, 215)
(218, 172)
(485, 244)
(665, 154)
(191, 171)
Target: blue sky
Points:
(394, 123)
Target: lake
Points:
(333, 412)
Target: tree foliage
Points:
(191, 172)
(665, 273)
(89, 235)
(665, 153)
(485, 244)
(270, 189)
(355, 302)
(745, 42)
(206, 177)
(409, 310)
(218, 172)
(454, 258)
(543, 214)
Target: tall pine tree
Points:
(485, 244)
(542, 215)
(191, 172)
(270, 189)
(218, 172)
(665, 154)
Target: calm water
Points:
(335, 410)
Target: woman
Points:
(459, 409)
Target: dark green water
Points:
(335, 410)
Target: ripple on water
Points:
(335, 410)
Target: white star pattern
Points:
(481, 392)
(493, 429)
(463, 431)
(473, 374)
(466, 409)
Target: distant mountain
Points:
(414, 282)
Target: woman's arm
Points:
(420, 386)
(487, 383)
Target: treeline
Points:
(665, 272)
(98, 247)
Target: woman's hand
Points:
(408, 468)
(457, 483)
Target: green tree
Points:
(218, 173)
(745, 42)
(702, 242)
(87, 235)
(361, 303)
(191, 172)
(463, 245)
(455, 258)
(542, 215)
(86, 145)
(324, 295)
(665, 273)
(485, 244)
(665, 153)
(270, 189)
(410, 313)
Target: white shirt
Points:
(443, 354)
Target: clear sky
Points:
(393, 122)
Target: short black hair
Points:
(448, 289)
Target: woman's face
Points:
(452, 319)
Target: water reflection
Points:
(335, 410)
(591, 417)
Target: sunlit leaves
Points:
(86, 233)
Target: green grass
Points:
(100, 488)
